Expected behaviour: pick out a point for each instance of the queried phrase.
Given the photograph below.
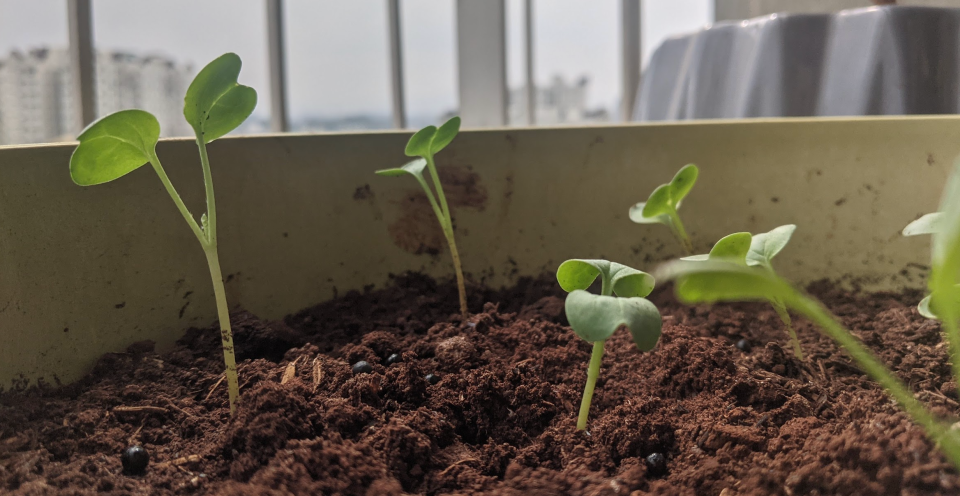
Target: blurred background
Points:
(325, 65)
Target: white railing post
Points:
(481, 50)
(279, 122)
(531, 87)
(631, 56)
(396, 64)
(82, 62)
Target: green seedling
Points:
(662, 205)
(757, 251)
(122, 142)
(426, 143)
(720, 280)
(927, 224)
(594, 318)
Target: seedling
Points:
(594, 318)
(757, 251)
(122, 142)
(927, 224)
(710, 281)
(426, 143)
(662, 205)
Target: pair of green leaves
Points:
(425, 143)
(662, 205)
(122, 142)
(750, 250)
(596, 317)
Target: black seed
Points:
(134, 460)
(432, 378)
(362, 367)
(656, 464)
(394, 358)
(744, 345)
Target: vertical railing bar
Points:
(396, 64)
(82, 63)
(279, 121)
(531, 89)
(631, 54)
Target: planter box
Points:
(84, 271)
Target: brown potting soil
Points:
(501, 419)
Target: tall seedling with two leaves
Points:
(122, 142)
(426, 143)
(757, 251)
(662, 205)
(594, 318)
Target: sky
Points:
(337, 52)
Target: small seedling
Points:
(426, 143)
(927, 224)
(721, 280)
(594, 318)
(662, 205)
(122, 142)
(757, 251)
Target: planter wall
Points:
(303, 218)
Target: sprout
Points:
(757, 251)
(662, 205)
(426, 143)
(594, 318)
(122, 142)
(721, 280)
(927, 224)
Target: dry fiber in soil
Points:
(501, 420)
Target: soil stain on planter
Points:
(694, 416)
(417, 230)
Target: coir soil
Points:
(501, 419)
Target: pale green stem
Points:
(446, 223)
(211, 230)
(785, 317)
(935, 429)
(187, 216)
(678, 230)
(593, 370)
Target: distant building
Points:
(36, 97)
(557, 103)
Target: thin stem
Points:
(211, 230)
(680, 232)
(446, 223)
(187, 216)
(936, 430)
(785, 317)
(592, 373)
(226, 334)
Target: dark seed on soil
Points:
(743, 345)
(362, 367)
(656, 464)
(432, 378)
(394, 358)
(134, 460)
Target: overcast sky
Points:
(337, 57)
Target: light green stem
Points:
(226, 334)
(187, 216)
(785, 317)
(678, 230)
(446, 223)
(592, 373)
(948, 440)
(211, 228)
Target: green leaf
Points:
(419, 144)
(215, 103)
(946, 250)
(927, 306)
(636, 215)
(928, 224)
(712, 281)
(625, 281)
(445, 135)
(114, 146)
(766, 245)
(660, 204)
(595, 318)
(683, 182)
(414, 167)
(732, 248)
(924, 308)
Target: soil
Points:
(501, 419)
